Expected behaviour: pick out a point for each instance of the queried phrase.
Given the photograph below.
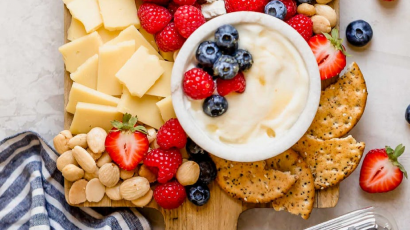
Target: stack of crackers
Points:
(322, 158)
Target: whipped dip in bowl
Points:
(280, 100)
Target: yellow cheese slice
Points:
(76, 30)
(78, 51)
(162, 87)
(131, 33)
(149, 37)
(80, 93)
(87, 12)
(89, 116)
(107, 35)
(140, 72)
(67, 1)
(166, 109)
(87, 73)
(169, 56)
(119, 14)
(145, 108)
(111, 59)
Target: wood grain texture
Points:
(221, 212)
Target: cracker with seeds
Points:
(341, 106)
(252, 182)
(300, 198)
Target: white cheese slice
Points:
(162, 87)
(166, 109)
(67, 1)
(107, 35)
(149, 37)
(87, 73)
(169, 56)
(87, 12)
(76, 30)
(119, 14)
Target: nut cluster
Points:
(323, 16)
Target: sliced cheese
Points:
(131, 33)
(166, 109)
(149, 37)
(78, 51)
(89, 116)
(107, 35)
(87, 12)
(67, 1)
(162, 87)
(111, 59)
(87, 73)
(80, 93)
(119, 14)
(140, 72)
(76, 30)
(169, 56)
(145, 108)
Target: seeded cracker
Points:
(341, 106)
(252, 182)
(331, 161)
(300, 198)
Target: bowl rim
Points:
(245, 153)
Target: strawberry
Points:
(236, 84)
(158, 2)
(127, 143)
(245, 5)
(330, 54)
(163, 163)
(198, 84)
(171, 134)
(169, 40)
(184, 2)
(153, 18)
(170, 195)
(291, 8)
(381, 171)
(187, 19)
(303, 25)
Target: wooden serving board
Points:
(221, 212)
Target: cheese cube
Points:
(149, 37)
(87, 73)
(89, 116)
(87, 12)
(107, 35)
(145, 108)
(166, 109)
(80, 93)
(162, 87)
(140, 72)
(112, 58)
(119, 14)
(76, 30)
(131, 33)
(78, 51)
(169, 56)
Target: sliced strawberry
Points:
(381, 172)
(330, 54)
(127, 143)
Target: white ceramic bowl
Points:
(247, 152)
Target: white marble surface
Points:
(31, 93)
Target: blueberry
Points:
(226, 67)
(215, 106)
(198, 194)
(305, 1)
(226, 38)
(207, 53)
(276, 9)
(408, 114)
(359, 33)
(195, 152)
(244, 59)
(207, 171)
(207, 69)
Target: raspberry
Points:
(184, 2)
(198, 84)
(169, 39)
(164, 163)
(170, 195)
(303, 25)
(173, 7)
(197, 5)
(245, 5)
(158, 2)
(187, 19)
(291, 8)
(153, 18)
(171, 134)
(236, 84)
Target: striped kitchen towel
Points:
(32, 192)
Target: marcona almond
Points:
(96, 139)
(90, 176)
(188, 173)
(78, 140)
(104, 159)
(76, 195)
(321, 24)
(327, 12)
(152, 134)
(154, 144)
(114, 192)
(61, 141)
(144, 200)
(145, 172)
(134, 188)
(94, 191)
(95, 156)
(109, 174)
(306, 9)
(124, 174)
(323, 1)
(84, 159)
(65, 159)
(72, 172)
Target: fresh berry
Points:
(127, 143)
(226, 67)
(169, 40)
(184, 2)
(158, 2)
(359, 33)
(303, 25)
(245, 5)
(407, 115)
(198, 84)
(276, 9)
(207, 53)
(187, 19)
(195, 152)
(227, 38)
(171, 134)
(198, 194)
(330, 54)
(291, 8)
(170, 195)
(305, 1)
(381, 171)
(207, 171)
(197, 5)
(236, 84)
(215, 106)
(153, 18)
(164, 163)
(173, 7)
(244, 59)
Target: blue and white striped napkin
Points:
(32, 192)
